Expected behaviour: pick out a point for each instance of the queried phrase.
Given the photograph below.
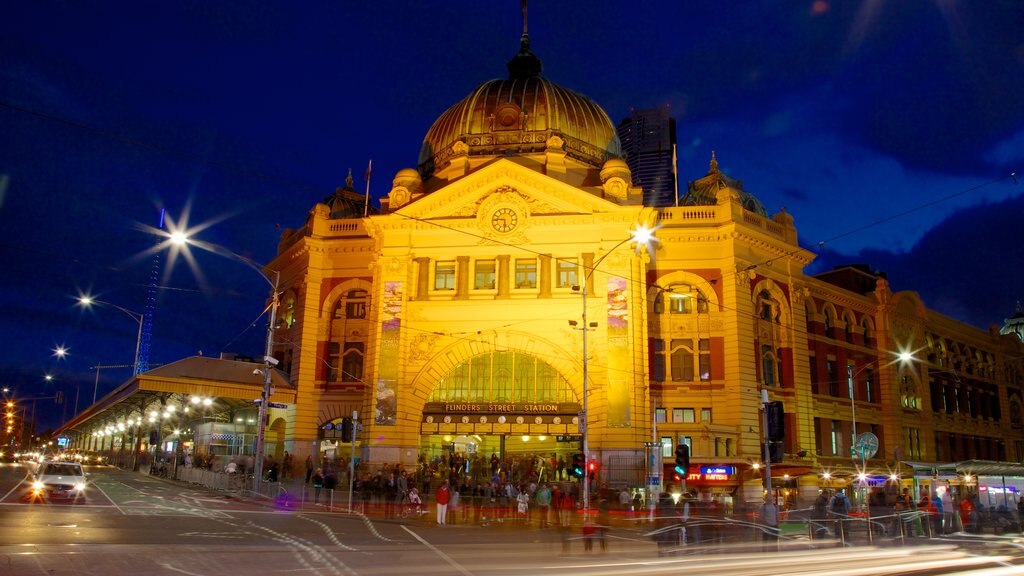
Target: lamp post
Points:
(641, 235)
(180, 238)
(88, 301)
(851, 376)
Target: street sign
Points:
(866, 445)
(276, 405)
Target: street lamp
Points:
(269, 362)
(87, 301)
(643, 236)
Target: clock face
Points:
(504, 220)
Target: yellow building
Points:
(453, 319)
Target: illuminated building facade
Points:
(443, 319)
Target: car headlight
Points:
(80, 487)
(38, 485)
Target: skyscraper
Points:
(648, 138)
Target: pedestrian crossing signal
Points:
(346, 429)
(577, 465)
(682, 459)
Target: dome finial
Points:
(348, 180)
(714, 163)
(524, 64)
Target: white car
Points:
(56, 480)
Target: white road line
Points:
(97, 486)
(446, 557)
(23, 480)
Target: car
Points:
(58, 480)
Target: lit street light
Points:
(643, 236)
(87, 301)
(180, 238)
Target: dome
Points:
(1015, 324)
(705, 191)
(519, 115)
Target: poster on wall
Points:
(385, 392)
(619, 357)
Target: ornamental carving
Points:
(398, 197)
(420, 347)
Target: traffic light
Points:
(682, 459)
(776, 418)
(592, 467)
(346, 429)
(577, 465)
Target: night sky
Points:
(890, 131)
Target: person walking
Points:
(442, 497)
(309, 468)
(543, 498)
(770, 525)
(318, 484)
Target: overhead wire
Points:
(306, 188)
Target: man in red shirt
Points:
(442, 496)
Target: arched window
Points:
(682, 299)
(502, 376)
(346, 347)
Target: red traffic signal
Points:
(592, 466)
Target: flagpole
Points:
(675, 173)
(366, 205)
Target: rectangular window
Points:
(705, 415)
(666, 447)
(767, 365)
(568, 272)
(833, 386)
(657, 360)
(869, 382)
(483, 275)
(333, 361)
(355, 309)
(705, 360)
(444, 276)
(526, 273)
(851, 387)
(836, 437)
(677, 414)
(689, 443)
(659, 415)
(688, 415)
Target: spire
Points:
(348, 180)
(714, 164)
(524, 64)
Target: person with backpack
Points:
(840, 510)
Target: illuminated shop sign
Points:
(727, 470)
(709, 474)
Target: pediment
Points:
(505, 182)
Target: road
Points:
(129, 523)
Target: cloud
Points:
(949, 266)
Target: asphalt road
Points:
(129, 524)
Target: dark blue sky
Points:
(846, 115)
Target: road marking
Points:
(446, 557)
(109, 499)
(18, 485)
